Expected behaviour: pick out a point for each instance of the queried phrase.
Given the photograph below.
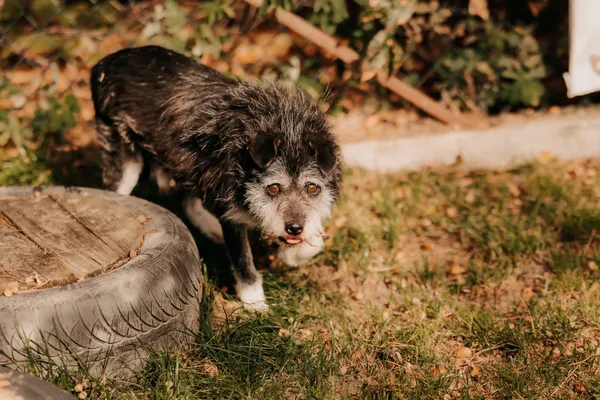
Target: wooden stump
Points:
(48, 240)
(95, 277)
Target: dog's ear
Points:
(264, 149)
(324, 154)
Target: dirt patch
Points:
(513, 292)
(360, 290)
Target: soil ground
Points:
(433, 284)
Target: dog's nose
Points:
(293, 228)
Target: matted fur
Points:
(204, 130)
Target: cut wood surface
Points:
(50, 239)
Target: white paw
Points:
(302, 253)
(132, 168)
(260, 307)
(252, 296)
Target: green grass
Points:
(417, 267)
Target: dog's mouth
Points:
(290, 240)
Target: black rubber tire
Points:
(111, 321)
(29, 387)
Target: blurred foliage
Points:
(35, 140)
(471, 54)
(56, 118)
(487, 56)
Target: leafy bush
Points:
(469, 54)
(477, 58)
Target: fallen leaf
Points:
(456, 270)
(377, 56)
(514, 190)
(470, 197)
(554, 110)
(592, 266)
(210, 369)
(34, 45)
(54, 77)
(401, 15)
(71, 72)
(264, 37)
(18, 101)
(479, 8)
(302, 334)
(452, 212)
(280, 46)
(246, 54)
(371, 121)
(111, 43)
(283, 332)
(464, 352)
(87, 111)
(85, 47)
(355, 295)
(23, 76)
(537, 6)
(82, 92)
(527, 293)
(556, 352)
(544, 157)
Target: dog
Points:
(247, 156)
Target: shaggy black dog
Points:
(249, 156)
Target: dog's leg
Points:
(202, 219)
(132, 168)
(163, 181)
(110, 144)
(248, 281)
(120, 168)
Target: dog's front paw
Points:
(252, 296)
(302, 253)
(259, 307)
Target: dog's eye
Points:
(274, 189)
(311, 188)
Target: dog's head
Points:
(292, 194)
(295, 169)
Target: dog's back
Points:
(198, 125)
(132, 86)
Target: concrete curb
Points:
(566, 137)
